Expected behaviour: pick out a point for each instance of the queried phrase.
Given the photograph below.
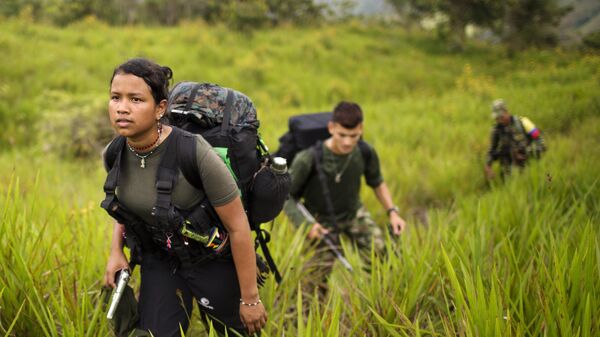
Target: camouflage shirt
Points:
(521, 138)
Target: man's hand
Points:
(116, 262)
(253, 317)
(398, 224)
(317, 231)
(489, 172)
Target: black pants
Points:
(166, 297)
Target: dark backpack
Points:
(308, 130)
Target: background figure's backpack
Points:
(227, 120)
(307, 130)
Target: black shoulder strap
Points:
(166, 175)
(186, 155)
(113, 150)
(318, 161)
(365, 151)
(166, 179)
(112, 159)
(227, 112)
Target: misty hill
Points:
(584, 18)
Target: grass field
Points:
(519, 258)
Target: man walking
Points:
(514, 140)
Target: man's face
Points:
(503, 119)
(344, 140)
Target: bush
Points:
(592, 40)
(79, 129)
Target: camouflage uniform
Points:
(514, 143)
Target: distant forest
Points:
(519, 24)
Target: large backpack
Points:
(227, 119)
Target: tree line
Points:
(518, 23)
(241, 13)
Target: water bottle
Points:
(279, 165)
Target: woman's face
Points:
(132, 109)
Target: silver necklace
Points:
(338, 175)
(142, 157)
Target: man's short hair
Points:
(347, 114)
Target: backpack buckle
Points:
(164, 186)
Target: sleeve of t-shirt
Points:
(218, 183)
(300, 171)
(373, 175)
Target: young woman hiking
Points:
(174, 269)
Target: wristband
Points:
(250, 304)
(393, 209)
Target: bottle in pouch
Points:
(270, 188)
(279, 165)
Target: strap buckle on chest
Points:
(164, 186)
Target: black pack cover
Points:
(303, 132)
(269, 188)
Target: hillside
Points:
(583, 19)
(513, 258)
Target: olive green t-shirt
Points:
(137, 186)
(345, 194)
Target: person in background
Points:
(514, 140)
(343, 162)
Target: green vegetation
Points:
(514, 259)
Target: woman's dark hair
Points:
(156, 76)
(348, 114)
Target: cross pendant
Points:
(143, 163)
(338, 178)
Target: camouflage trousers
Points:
(506, 166)
(362, 231)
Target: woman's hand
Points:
(253, 317)
(116, 261)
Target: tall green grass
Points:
(519, 258)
